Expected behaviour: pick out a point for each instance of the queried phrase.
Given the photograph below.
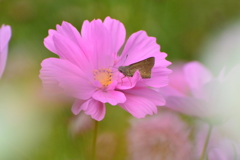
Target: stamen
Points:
(104, 76)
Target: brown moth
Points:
(145, 66)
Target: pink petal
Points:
(5, 35)
(98, 40)
(169, 91)
(177, 79)
(117, 31)
(188, 106)
(48, 41)
(3, 59)
(147, 93)
(76, 107)
(139, 46)
(138, 106)
(159, 77)
(70, 77)
(70, 34)
(160, 60)
(125, 83)
(112, 97)
(66, 49)
(85, 26)
(69, 31)
(91, 107)
(196, 75)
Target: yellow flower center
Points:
(104, 76)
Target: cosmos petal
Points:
(98, 40)
(138, 106)
(196, 75)
(70, 77)
(117, 31)
(5, 35)
(138, 47)
(112, 97)
(91, 107)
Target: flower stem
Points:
(94, 140)
(206, 143)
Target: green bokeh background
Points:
(180, 27)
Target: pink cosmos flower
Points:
(5, 35)
(209, 98)
(87, 68)
(162, 136)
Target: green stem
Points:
(206, 143)
(94, 140)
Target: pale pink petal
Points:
(138, 106)
(3, 59)
(217, 154)
(66, 49)
(159, 77)
(69, 31)
(112, 97)
(160, 60)
(85, 30)
(177, 79)
(76, 107)
(70, 77)
(169, 91)
(98, 40)
(5, 35)
(196, 75)
(48, 41)
(139, 46)
(92, 107)
(147, 93)
(126, 83)
(222, 74)
(188, 106)
(225, 149)
(117, 31)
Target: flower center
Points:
(104, 76)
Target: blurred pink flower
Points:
(212, 99)
(107, 146)
(80, 124)
(87, 68)
(225, 149)
(5, 35)
(220, 146)
(176, 79)
(162, 136)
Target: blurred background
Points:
(36, 127)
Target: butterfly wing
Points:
(145, 66)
